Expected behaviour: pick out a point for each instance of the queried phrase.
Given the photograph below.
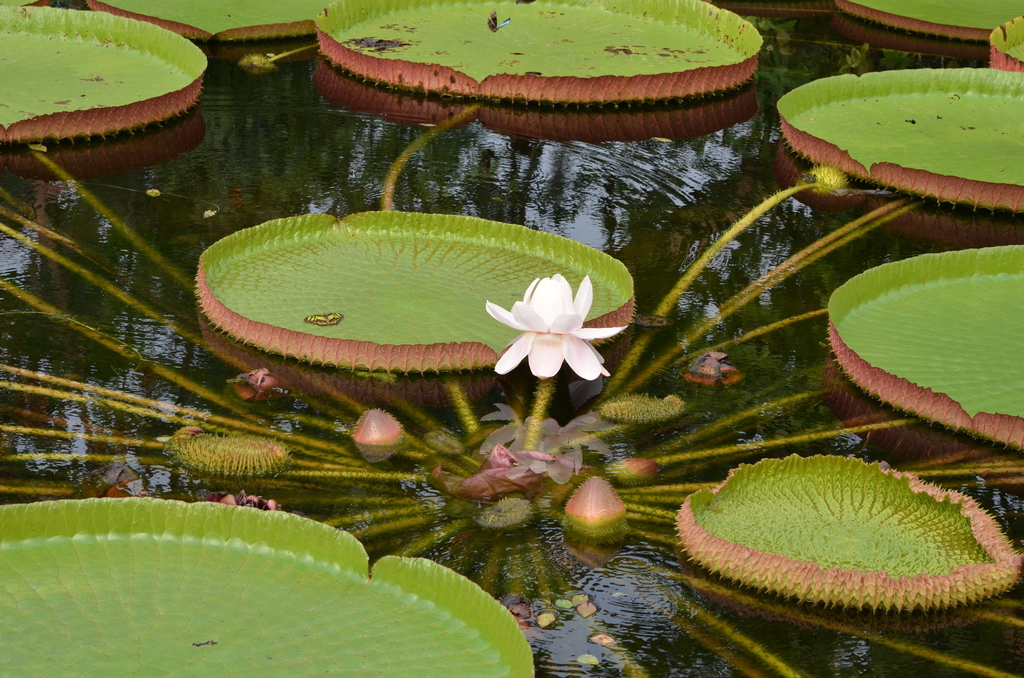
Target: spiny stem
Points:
(117, 347)
(102, 283)
(754, 334)
(750, 448)
(39, 228)
(460, 403)
(682, 488)
(795, 263)
(648, 512)
(290, 52)
(355, 474)
(539, 412)
(73, 435)
(394, 526)
(133, 237)
(19, 205)
(388, 194)
(730, 422)
(433, 538)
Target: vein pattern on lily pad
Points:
(104, 587)
(574, 51)
(69, 74)
(411, 287)
(838, 531)
(956, 135)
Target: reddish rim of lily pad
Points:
(564, 90)
(94, 159)
(855, 588)
(1009, 34)
(777, 9)
(942, 187)
(368, 355)
(103, 121)
(590, 126)
(912, 24)
(924, 402)
(888, 38)
(289, 29)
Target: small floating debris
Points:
(654, 322)
(713, 369)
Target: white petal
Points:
(582, 358)
(584, 297)
(591, 333)
(528, 318)
(567, 323)
(515, 353)
(546, 355)
(504, 317)
(529, 290)
(565, 291)
(547, 301)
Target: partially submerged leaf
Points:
(586, 609)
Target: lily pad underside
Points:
(956, 135)
(838, 531)
(391, 290)
(590, 125)
(132, 587)
(1007, 46)
(221, 19)
(777, 9)
(938, 336)
(948, 18)
(74, 74)
(587, 52)
(886, 37)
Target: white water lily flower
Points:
(552, 330)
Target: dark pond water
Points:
(286, 143)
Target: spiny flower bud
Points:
(247, 455)
(507, 512)
(595, 513)
(827, 179)
(634, 471)
(641, 409)
(377, 427)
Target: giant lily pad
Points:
(938, 335)
(70, 74)
(409, 288)
(955, 134)
(949, 18)
(842, 532)
(1007, 46)
(221, 19)
(130, 587)
(573, 51)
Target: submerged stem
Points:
(541, 402)
(387, 198)
(126, 230)
(74, 435)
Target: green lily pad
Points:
(574, 51)
(937, 335)
(69, 74)
(1007, 44)
(843, 532)
(410, 288)
(221, 19)
(955, 134)
(104, 587)
(949, 18)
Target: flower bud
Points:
(595, 513)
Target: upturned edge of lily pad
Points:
(289, 29)
(854, 588)
(102, 121)
(566, 90)
(777, 9)
(911, 24)
(368, 355)
(941, 187)
(924, 402)
(1002, 39)
(878, 35)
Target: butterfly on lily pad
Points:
(493, 24)
(324, 319)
